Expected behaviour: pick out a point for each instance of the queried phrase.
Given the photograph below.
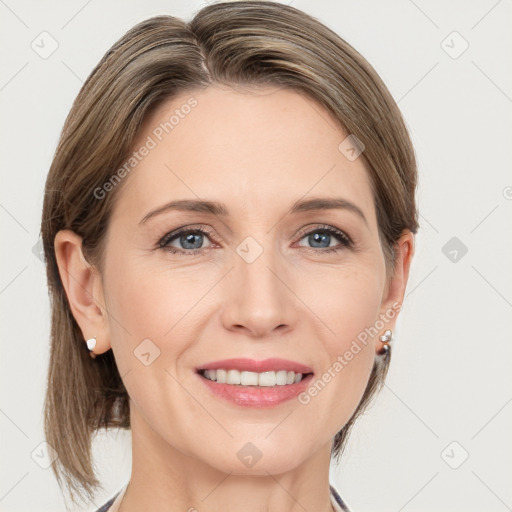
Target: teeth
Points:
(233, 377)
(281, 377)
(267, 379)
(244, 378)
(248, 378)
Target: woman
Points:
(228, 227)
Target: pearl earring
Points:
(91, 343)
(386, 339)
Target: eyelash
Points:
(346, 242)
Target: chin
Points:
(259, 457)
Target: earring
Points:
(91, 343)
(386, 339)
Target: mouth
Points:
(260, 384)
(246, 378)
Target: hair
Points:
(245, 43)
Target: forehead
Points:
(251, 148)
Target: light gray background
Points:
(448, 394)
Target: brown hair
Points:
(231, 43)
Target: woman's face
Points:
(264, 278)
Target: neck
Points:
(164, 478)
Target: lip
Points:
(254, 396)
(252, 365)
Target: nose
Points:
(260, 299)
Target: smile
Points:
(257, 384)
(245, 378)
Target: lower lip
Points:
(256, 396)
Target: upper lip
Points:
(253, 365)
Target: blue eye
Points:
(191, 240)
(324, 235)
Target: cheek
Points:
(350, 311)
(348, 302)
(152, 302)
(152, 321)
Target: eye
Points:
(188, 240)
(322, 236)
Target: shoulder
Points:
(338, 504)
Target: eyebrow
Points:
(220, 209)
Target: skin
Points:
(258, 151)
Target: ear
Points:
(395, 290)
(84, 289)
